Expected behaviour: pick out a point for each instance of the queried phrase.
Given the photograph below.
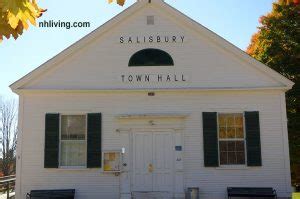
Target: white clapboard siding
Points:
(92, 183)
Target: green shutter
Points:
(210, 139)
(94, 152)
(51, 152)
(253, 138)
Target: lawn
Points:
(296, 195)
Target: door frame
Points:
(126, 124)
(152, 131)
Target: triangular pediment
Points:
(202, 60)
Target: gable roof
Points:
(174, 14)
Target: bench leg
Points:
(28, 196)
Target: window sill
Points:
(233, 167)
(74, 168)
(112, 172)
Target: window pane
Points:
(239, 132)
(223, 146)
(240, 157)
(222, 132)
(73, 127)
(231, 158)
(223, 158)
(239, 126)
(231, 146)
(231, 132)
(239, 120)
(73, 153)
(240, 146)
(222, 120)
(230, 120)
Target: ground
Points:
(296, 195)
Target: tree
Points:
(8, 133)
(14, 16)
(276, 44)
(120, 2)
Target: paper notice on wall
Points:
(111, 161)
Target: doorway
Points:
(153, 168)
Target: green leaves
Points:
(277, 44)
(16, 15)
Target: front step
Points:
(151, 195)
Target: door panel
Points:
(142, 149)
(154, 150)
(162, 162)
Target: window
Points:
(73, 144)
(150, 20)
(151, 57)
(231, 139)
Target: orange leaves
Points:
(16, 15)
(254, 45)
(120, 2)
(289, 2)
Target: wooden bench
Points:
(250, 192)
(51, 194)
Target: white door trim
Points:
(127, 126)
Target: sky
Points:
(234, 20)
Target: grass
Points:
(296, 195)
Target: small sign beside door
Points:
(178, 148)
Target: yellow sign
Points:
(111, 161)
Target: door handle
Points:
(150, 168)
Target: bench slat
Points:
(52, 194)
(251, 192)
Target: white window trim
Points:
(59, 156)
(232, 166)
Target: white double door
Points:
(153, 155)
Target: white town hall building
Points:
(152, 103)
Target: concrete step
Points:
(151, 195)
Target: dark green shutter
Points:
(94, 152)
(210, 139)
(51, 152)
(253, 138)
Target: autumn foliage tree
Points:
(120, 2)
(16, 15)
(276, 44)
